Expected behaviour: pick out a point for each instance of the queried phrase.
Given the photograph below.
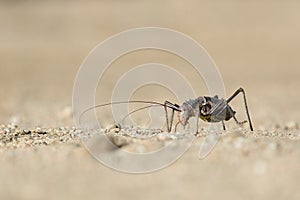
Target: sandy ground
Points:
(255, 45)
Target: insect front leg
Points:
(171, 122)
(174, 107)
(167, 117)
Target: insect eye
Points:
(205, 107)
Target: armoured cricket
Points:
(209, 109)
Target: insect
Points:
(209, 109)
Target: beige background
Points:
(254, 43)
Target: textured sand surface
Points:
(255, 45)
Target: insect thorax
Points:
(215, 110)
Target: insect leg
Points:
(176, 126)
(197, 122)
(223, 123)
(245, 102)
(235, 119)
(240, 123)
(172, 118)
(174, 107)
(167, 117)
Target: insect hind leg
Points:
(241, 90)
(239, 123)
(223, 124)
(235, 119)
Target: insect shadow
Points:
(209, 109)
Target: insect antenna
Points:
(139, 109)
(121, 102)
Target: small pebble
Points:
(26, 131)
(66, 112)
(273, 146)
(291, 126)
(14, 120)
(239, 143)
(162, 136)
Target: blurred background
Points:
(255, 44)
